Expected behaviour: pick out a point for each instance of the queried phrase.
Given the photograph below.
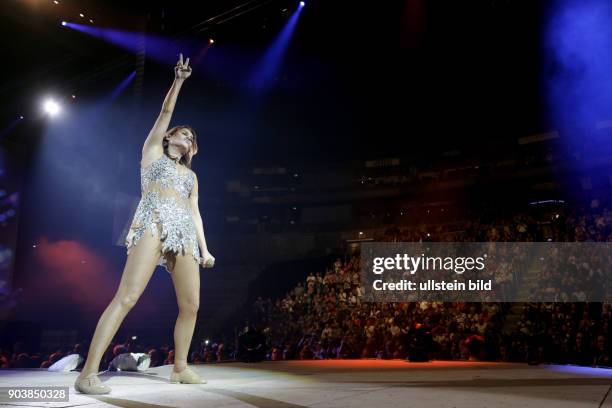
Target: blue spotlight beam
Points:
(121, 87)
(579, 65)
(269, 64)
(95, 112)
(160, 49)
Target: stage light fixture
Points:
(130, 362)
(82, 15)
(51, 107)
(56, 2)
(64, 23)
(67, 364)
(211, 41)
(302, 3)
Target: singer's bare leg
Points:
(137, 272)
(186, 279)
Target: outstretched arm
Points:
(153, 143)
(207, 259)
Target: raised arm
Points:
(153, 144)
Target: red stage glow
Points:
(66, 270)
(377, 364)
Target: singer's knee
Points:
(128, 300)
(189, 306)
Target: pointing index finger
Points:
(181, 58)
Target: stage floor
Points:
(340, 383)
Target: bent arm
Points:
(155, 138)
(197, 218)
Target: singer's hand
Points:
(182, 71)
(207, 260)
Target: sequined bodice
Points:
(165, 210)
(163, 174)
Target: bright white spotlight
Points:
(51, 107)
(302, 3)
(64, 23)
(211, 41)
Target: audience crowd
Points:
(324, 316)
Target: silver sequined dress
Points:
(164, 210)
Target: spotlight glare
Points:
(56, 2)
(82, 15)
(91, 21)
(302, 3)
(211, 41)
(64, 23)
(51, 107)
